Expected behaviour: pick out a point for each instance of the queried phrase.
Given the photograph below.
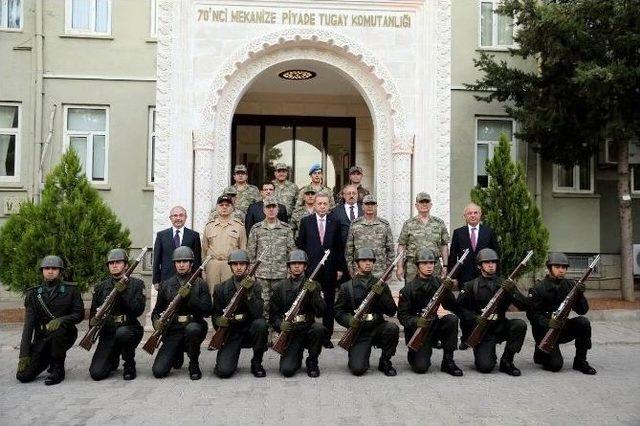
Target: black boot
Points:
(386, 367)
(449, 366)
(256, 366)
(539, 357)
(312, 367)
(129, 370)
(506, 364)
(194, 370)
(583, 366)
(178, 360)
(57, 373)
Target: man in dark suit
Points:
(317, 233)
(255, 212)
(473, 236)
(348, 211)
(168, 239)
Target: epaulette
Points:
(383, 220)
(32, 288)
(237, 220)
(286, 225)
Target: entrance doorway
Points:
(262, 141)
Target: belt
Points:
(370, 317)
(492, 317)
(221, 258)
(238, 317)
(303, 318)
(119, 319)
(183, 319)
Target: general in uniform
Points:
(374, 330)
(235, 213)
(317, 185)
(121, 331)
(246, 193)
(285, 191)
(52, 310)
(544, 298)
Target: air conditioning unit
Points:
(636, 259)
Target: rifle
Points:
(154, 340)
(220, 335)
(548, 343)
(481, 328)
(282, 342)
(350, 335)
(428, 313)
(92, 334)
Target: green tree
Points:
(585, 88)
(71, 221)
(508, 208)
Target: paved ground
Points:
(538, 397)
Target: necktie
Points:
(321, 230)
(352, 215)
(176, 239)
(474, 238)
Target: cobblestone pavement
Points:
(538, 397)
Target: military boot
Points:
(539, 357)
(506, 364)
(194, 370)
(449, 366)
(583, 366)
(312, 367)
(386, 367)
(256, 366)
(57, 373)
(178, 360)
(129, 370)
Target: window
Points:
(576, 179)
(86, 131)
(9, 142)
(635, 178)
(88, 17)
(153, 22)
(488, 133)
(495, 30)
(10, 14)
(152, 146)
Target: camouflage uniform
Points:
(286, 194)
(376, 235)
(416, 235)
(324, 190)
(276, 241)
(245, 197)
(298, 213)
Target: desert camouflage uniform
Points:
(416, 235)
(376, 235)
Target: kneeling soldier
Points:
(121, 332)
(414, 297)
(188, 328)
(374, 330)
(248, 328)
(305, 332)
(473, 298)
(53, 308)
(544, 298)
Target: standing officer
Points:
(235, 213)
(53, 308)
(304, 210)
(286, 192)
(422, 230)
(255, 213)
(374, 330)
(544, 298)
(187, 328)
(414, 297)
(317, 184)
(372, 232)
(121, 331)
(222, 235)
(246, 193)
(248, 328)
(305, 331)
(355, 179)
(473, 298)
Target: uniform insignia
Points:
(62, 289)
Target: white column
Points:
(401, 151)
(203, 179)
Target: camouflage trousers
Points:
(411, 270)
(267, 290)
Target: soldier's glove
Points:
(353, 322)
(555, 324)
(378, 288)
(508, 285)
(121, 285)
(222, 321)
(93, 322)
(158, 324)
(448, 284)
(247, 282)
(422, 322)
(23, 363)
(54, 324)
(310, 286)
(184, 291)
(581, 286)
(286, 326)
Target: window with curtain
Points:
(495, 30)
(11, 14)
(573, 179)
(488, 133)
(9, 141)
(88, 16)
(86, 132)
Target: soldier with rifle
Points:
(303, 331)
(120, 331)
(372, 329)
(53, 308)
(246, 327)
(545, 297)
(474, 298)
(185, 330)
(414, 298)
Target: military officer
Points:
(473, 298)
(544, 298)
(374, 330)
(276, 238)
(248, 328)
(372, 232)
(235, 213)
(305, 331)
(422, 230)
(317, 184)
(286, 192)
(414, 297)
(246, 193)
(304, 210)
(187, 328)
(53, 308)
(121, 331)
(355, 179)
(222, 235)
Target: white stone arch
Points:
(392, 145)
